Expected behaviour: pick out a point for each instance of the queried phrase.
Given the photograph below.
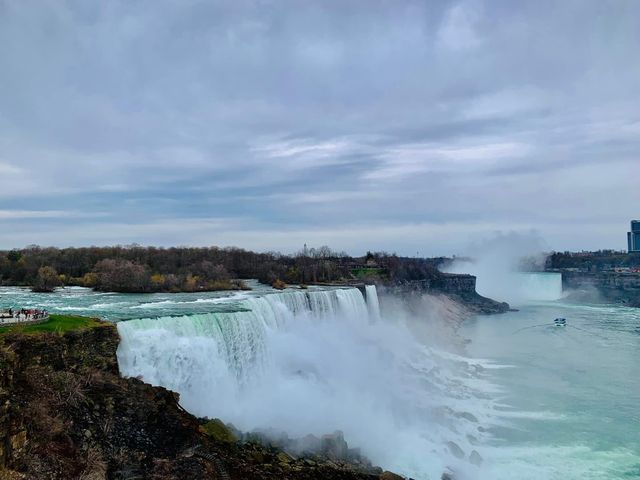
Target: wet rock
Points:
(475, 458)
(256, 456)
(65, 412)
(455, 450)
(334, 446)
(390, 476)
(467, 416)
(284, 457)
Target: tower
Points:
(633, 237)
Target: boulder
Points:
(334, 446)
(475, 458)
(455, 450)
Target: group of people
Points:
(22, 315)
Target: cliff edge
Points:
(611, 287)
(65, 413)
(459, 287)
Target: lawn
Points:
(362, 272)
(55, 324)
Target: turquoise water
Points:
(571, 395)
(559, 403)
(126, 306)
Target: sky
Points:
(416, 127)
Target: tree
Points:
(90, 279)
(46, 280)
(209, 271)
(116, 275)
(14, 255)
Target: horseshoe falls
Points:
(539, 285)
(505, 283)
(311, 362)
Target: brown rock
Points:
(390, 476)
(63, 398)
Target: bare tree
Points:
(46, 280)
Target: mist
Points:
(393, 382)
(498, 261)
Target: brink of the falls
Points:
(316, 361)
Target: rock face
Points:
(460, 287)
(332, 447)
(614, 287)
(390, 476)
(65, 413)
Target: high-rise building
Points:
(633, 237)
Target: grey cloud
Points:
(466, 117)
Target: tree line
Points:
(136, 268)
(592, 261)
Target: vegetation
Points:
(46, 280)
(55, 324)
(218, 430)
(592, 261)
(150, 269)
(66, 413)
(368, 272)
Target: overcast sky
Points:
(408, 126)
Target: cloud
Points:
(347, 118)
(39, 214)
(458, 30)
(408, 160)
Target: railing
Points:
(19, 318)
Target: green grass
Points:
(369, 272)
(55, 324)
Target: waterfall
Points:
(498, 278)
(541, 285)
(238, 338)
(315, 361)
(372, 301)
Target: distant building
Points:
(633, 237)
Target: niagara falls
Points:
(319, 240)
(416, 384)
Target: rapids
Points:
(536, 402)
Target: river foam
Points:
(316, 361)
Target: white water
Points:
(540, 285)
(318, 361)
(372, 301)
(505, 284)
(557, 404)
(571, 394)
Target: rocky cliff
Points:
(460, 287)
(614, 287)
(65, 413)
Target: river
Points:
(532, 400)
